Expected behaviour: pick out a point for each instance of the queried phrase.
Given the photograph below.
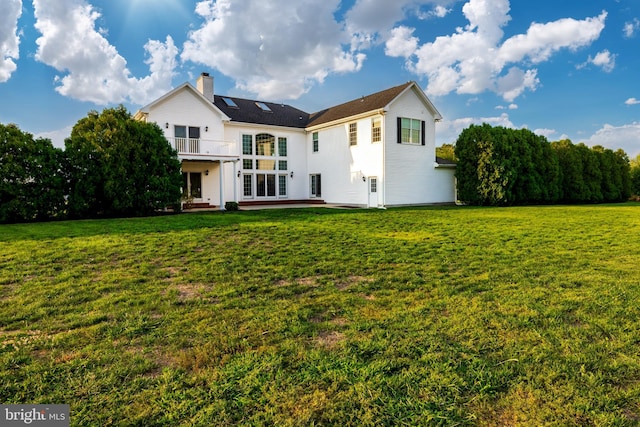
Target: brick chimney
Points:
(204, 85)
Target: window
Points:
(282, 185)
(264, 107)
(247, 185)
(266, 165)
(376, 130)
(247, 144)
(180, 131)
(374, 184)
(265, 145)
(230, 102)
(282, 147)
(353, 133)
(184, 144)
(316, 144)
(314, 184)
(410, 131)
(194, 133)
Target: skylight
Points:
(263, 106)
(230, 102)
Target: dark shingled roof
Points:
(443, 161)
(247, 111)
(357, 106)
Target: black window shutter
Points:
(422, 133)
(399, 130)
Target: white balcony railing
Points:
(187, 147)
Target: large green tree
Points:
(120, 166)
(502, 166)
(592, 175)
(635, 176)
(446, 151)
(32, 179)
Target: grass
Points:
(523, 316)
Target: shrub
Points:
(120, 167)
(231, 206)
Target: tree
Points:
(32, 179)
(623, 169)
(446, 151)
(502, 166)
(468, 148)
(635, 176)
(120, 166)
(573, 188)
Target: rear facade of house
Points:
(375, 151)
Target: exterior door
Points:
(373, 192)
(265, 185)
(315, 186)
(192, 184)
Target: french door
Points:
(265, 185)
(192, 184)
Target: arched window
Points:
(265, 144)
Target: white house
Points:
(375, 151)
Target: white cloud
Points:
(632, 101)
(57, 137)
(374, 16)
(93, 69)
(516, 81)
(630, 28)
(513, 106)
(605, 59)
(626, 137)
(542, 40)
(545, 132)
(439, 11)
(401, 43)
(474, 59)
(447, 131)
(10, 12)
(277, 63)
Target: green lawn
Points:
(428, 316)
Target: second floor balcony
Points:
(205, 149)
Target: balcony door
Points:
(184, 144)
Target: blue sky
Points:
(564, 69)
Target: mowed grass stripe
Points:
(412, 316)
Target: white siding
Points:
(186, 108)
(343, 166)
(296, 158)
(406, 173)
(411, 176)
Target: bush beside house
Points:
(112, 166)
(501, 166)
(33, 180)
(120, 167)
